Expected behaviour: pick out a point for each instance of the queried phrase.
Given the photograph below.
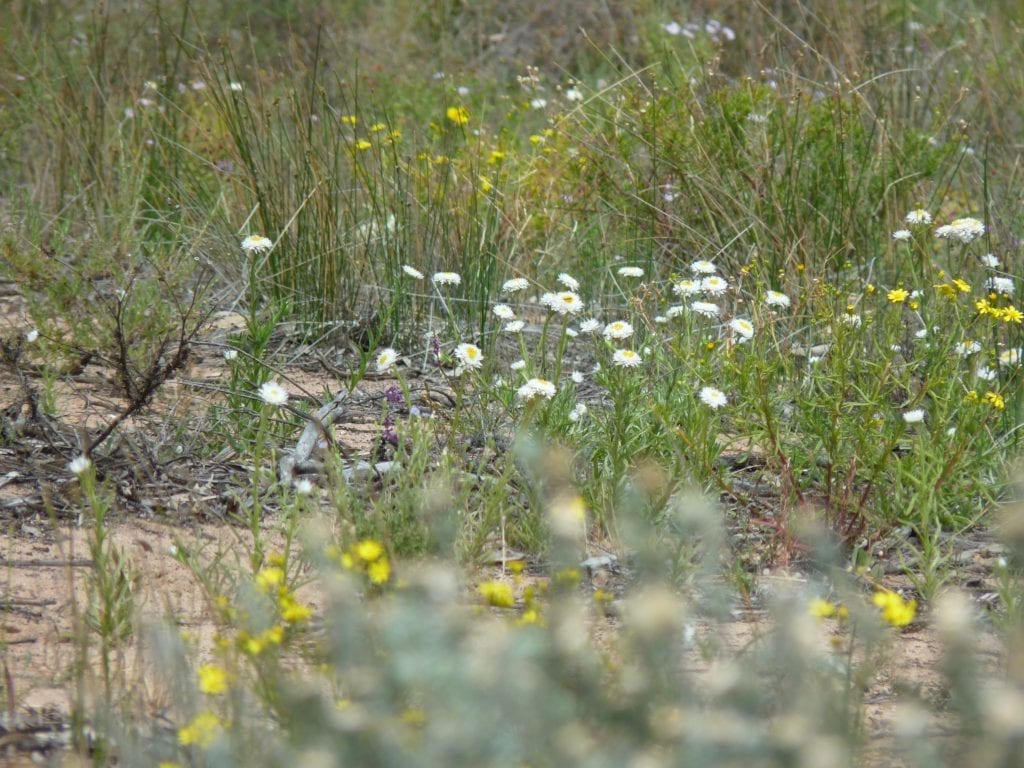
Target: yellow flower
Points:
(379, 571)
(531, 616)
(363, 144)
(971, 397)
(201, 731)
(378, 127)
(496, 156)
(946, 290)
(895, 610)
(983, 307)
(961, 285)
(897, 295)
(369, 550)
(252, 646)
(995, 400)
(821, 609)
(270, 577)
(497, 594)
(567, 576)
(458, 115)
(292, 611)
(212, 679)
(1011, 314)
(274, 635)
(349, 119)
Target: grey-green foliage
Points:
(417, 677)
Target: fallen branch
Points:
(299, 460)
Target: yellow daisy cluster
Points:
(201, 731)
(366, 556)
(271, 580)
(895, 610)
(990, 398)
(825, 609)
(457, 115)
(213, 679)
(953, 288)
(1007, 314)
(497, 594)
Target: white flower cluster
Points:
(965, 230)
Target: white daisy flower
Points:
(626, 358)
(273, 393)
(618, 330)
(573, 94)
(256, 244)
(469, 355)
(447, 278)
(563, 303)
(631, 272)
(915, 416)
(713, 398)
(968, 347)
(516, 326)
(674, 311)
(572, 333)
(902, 235)
(1010, 357)
(703, 267)
(660, 319)
(776, 299)
(853, 320)
(515, 284)
(577, 377)
(985, 373)
(743, 327)
(535, 388)
(1000, 285)
(990, 260)
(705, 308)
(386, 358)
(918, 216)
(569, 281)
(590, 326)
(686, 287)
(518, 365)
(577, 412)
(412, 272)
(714, 285)
(79, 464)
(504, 312)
